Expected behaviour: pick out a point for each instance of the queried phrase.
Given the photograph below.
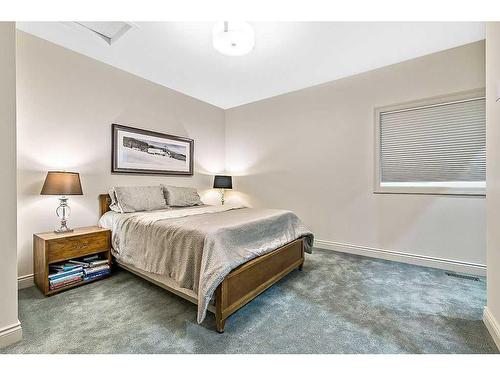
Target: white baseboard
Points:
(492, 325)
(397, 256)
(11, 334)
(25, 281)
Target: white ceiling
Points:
(287, 56)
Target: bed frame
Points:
(244, 283)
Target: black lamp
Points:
(223, 183)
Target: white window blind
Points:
(439, 145)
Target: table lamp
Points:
(62, 183)
(223, 183)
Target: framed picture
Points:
(147, 152)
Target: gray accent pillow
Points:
(137, 198)
(177, 196)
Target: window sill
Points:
(472, 189)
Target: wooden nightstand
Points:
(53, 247)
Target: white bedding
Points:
(108, 219)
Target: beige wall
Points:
(493, 178)
(9, 324)
(312, 151)
(66, 104)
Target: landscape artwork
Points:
(147, 152)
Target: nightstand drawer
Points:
(66, 248)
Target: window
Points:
(436, 146)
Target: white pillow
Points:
(177, 196)
(137, 198)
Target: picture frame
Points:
(141, 151)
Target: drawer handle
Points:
(81, 246)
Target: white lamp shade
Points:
(233, 38)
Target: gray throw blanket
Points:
(198, 247)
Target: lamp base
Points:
(61, 230)
(63, 212)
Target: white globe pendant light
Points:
(233, 38)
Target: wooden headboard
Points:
(104, 202)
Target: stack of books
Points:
(76, 270)
(93, 267)
(64, 274)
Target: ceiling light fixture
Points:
(233, 38)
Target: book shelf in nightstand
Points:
(51, 247)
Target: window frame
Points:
(430, 187)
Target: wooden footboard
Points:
(250, 279)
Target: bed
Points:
(242, 280)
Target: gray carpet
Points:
(339, 303)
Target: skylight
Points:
(109, 31)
